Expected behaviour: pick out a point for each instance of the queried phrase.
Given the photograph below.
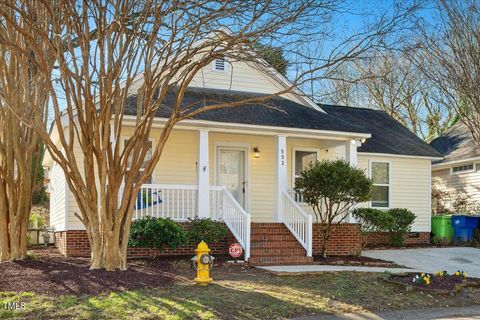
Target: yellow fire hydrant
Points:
(203, 262)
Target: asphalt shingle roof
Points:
(456, 144)
(277, 112)
(388, 135)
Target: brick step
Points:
(277, 251)
(273, 260)
(283, 230)
(272, 237)
(275, 244)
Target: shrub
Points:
(400, 225)
(150, 232)
(372, 219)
(205, 229)
(36, 221)
(397, 222)
(332, 188)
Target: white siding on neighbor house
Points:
(410, 186)
(464, 183)
(57, 189)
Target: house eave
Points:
(258, 129)
(393, 155)
(446, 164)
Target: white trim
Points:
(203, 175)
(389, 185)
(235, 146)
(213, 126)
(373, 154)
(294, 149)
(474, 169)
(281, 177)
(67, 204)
(443, 165)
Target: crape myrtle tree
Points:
(104, 51)
(450, 57)
(332, 189)
(23, 101)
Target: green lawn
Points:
(253, 295)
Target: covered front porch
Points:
(240, 177)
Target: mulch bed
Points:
(54, 274)
(354, 261)
(446, 284)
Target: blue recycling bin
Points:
(463, 227)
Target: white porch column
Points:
(351, 157)
(203, 176)
(351, 152)
(281, 175)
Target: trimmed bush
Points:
(205, 229)
(159, 233)
(400, 225)
(397, 222)
(332, 188)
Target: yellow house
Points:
(240, 165)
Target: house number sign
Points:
(282, 157)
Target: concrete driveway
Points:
(433, 259)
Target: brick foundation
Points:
(74, 243)
(377, 239)
(345, 239)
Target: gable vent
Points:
(219, 65)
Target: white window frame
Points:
(294, 150)
(389, 184)
(464, 171)
(124, 139)
(226, 69)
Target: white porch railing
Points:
(177, 202)
(223, 206)
(216, 202)
(298, 197)
(298, 222)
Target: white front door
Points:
(231, 166)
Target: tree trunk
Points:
(108, 246)
(13, 233)
(326, 236)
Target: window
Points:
(219, 65)
(148, 157)
(463, 169)
(302, 160)
(380, 174)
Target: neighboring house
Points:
(457, 174)
(240, 165)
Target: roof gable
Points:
(456, 144)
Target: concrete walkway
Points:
(433, 259)
(327, 268)
(463, 313)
